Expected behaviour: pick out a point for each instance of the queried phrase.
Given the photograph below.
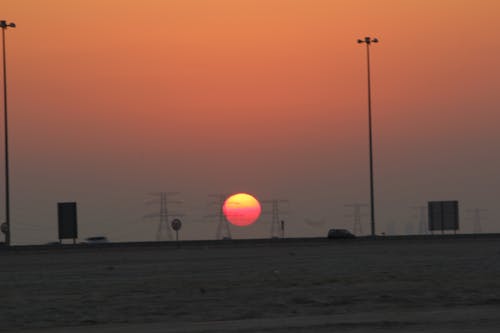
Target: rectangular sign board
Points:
(443, 215)
(66, 212)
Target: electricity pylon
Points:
(357, 227)
(164, 231)
(223, 231)
(421, 213)
(277, 224)
(475, 214)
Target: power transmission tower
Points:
(277, 225)
(421, 214)
(476, 218)
(223, 231)
(357, 227)
(164, 231)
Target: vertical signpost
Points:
(176, 225)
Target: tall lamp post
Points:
(6, 227)
(368, 41)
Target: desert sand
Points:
(430, 284)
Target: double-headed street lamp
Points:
(6, 227)
(368, 41)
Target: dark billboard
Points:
(66, 212)
(443, 215)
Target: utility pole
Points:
(368, 41)
(6, 226)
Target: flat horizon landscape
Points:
(343, 109)
(442, 284)
(248, 131)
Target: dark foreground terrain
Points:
(399, 285)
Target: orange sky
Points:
(112, 99)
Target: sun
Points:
(241, 209)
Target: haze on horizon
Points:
(111, 100)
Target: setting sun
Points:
(241, 209)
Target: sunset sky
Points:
(110, 100)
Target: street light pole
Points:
(368, 41)
(4, 25)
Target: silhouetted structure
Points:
(443, 215)
(223, 231)
(277, 225)
(164, 231)
(368, 41)
(67, 221)
(6, 227)
(477, 217)
(356, 216)
(421, 214)
(176, 225)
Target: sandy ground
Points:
(423, 285)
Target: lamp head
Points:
(368, 40)
(4, 24)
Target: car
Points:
(340, 234)
(96, 240)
